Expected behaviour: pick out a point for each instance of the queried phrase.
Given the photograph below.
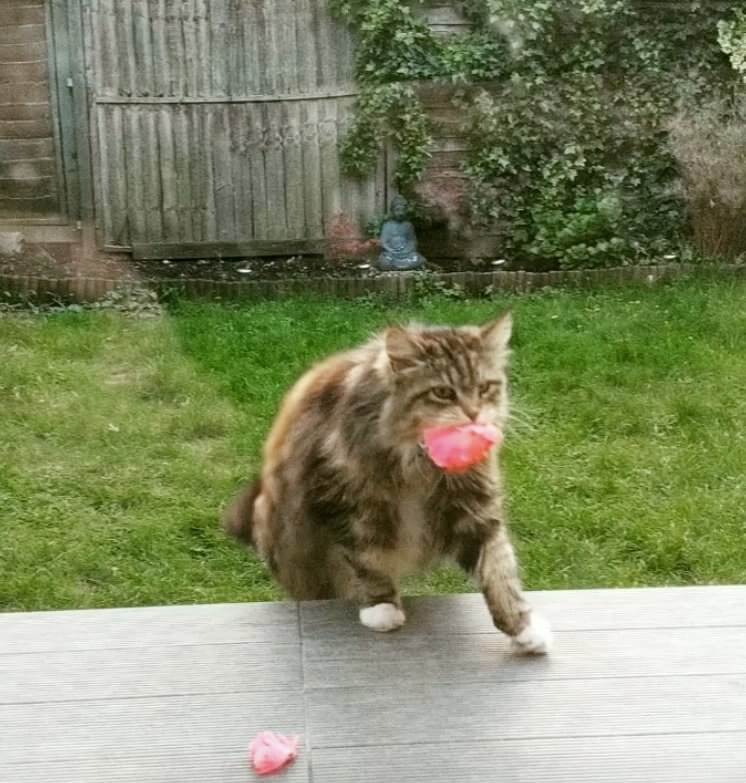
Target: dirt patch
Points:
(35, 262)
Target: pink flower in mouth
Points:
(456, 449)
(270, 752)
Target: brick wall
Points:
(28, 170)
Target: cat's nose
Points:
(472, 411)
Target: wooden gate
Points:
(215, 126)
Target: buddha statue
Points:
(398, 241)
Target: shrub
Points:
(732, 39)
(709, 143)
(566, 106)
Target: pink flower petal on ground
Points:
(270, 752)
(456, 449)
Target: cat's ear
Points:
(496, 334)
(402, 348)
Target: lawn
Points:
(120, 437)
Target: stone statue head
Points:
(399, 208)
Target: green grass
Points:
(121, 437)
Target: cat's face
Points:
(449, 376)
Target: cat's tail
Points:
(238, 517)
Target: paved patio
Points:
(645, 686)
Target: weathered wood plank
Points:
(255, 151)
(311, 155)
(236, 55)
(225, 195)
(183, 183)
(329, 152)
(569, 610)
(189, 766)
(253, 34)
(172, 23)
(26, 632)
(121, 209)
(344, 46)
(140, 672)
(81, 143)
(286, 42)
(189, 44)
(88, 83)
(210, 226)
(305, 18)
(126, 49)
(197, 165)
(240, 140)
(268, 52)
(219, 46)
(143, 50)
(114, 731)
(59, 106)
(294, 173)
(274, 171)
(692, 758)
(324, 44)
(604, 707)
(110, 16)
(134, 155)
(105, 190)
(204, 49)
(151, 174)
(412, 656)
(170, 195)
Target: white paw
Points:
(382, 617)
(535, 638)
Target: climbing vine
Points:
(565, 112)
(732, 39)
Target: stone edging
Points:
(395, 285)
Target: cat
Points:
(348, 501)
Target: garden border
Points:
(397, 285)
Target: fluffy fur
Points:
(347, 501)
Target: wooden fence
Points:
(215, 125)
(186, 127)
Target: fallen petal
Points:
(456, 449)
(270, 752)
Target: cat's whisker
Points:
(519, 421)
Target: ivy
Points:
(388, 111)
(732, 39)
(566, 113)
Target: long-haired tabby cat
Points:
(348, 501)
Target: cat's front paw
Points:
(535, 639)
(382, 617)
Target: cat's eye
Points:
(488, 387)
(444, 393)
